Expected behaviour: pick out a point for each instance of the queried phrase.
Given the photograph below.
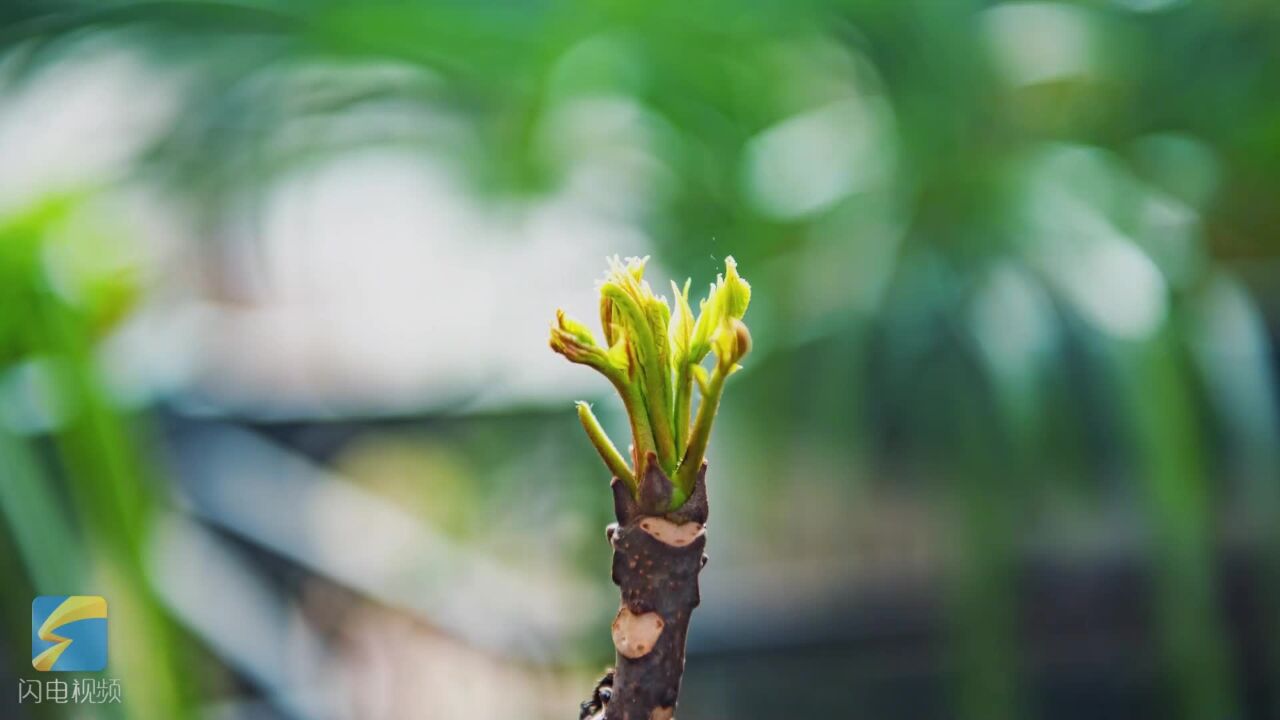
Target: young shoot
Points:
(654, 355)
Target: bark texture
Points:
(657, 556)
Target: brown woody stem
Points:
(657, 556)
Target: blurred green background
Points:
(276, 278)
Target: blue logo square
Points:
(69, 633)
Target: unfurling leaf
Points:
(737, 292)
(575, 328)
(681, 329)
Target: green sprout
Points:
(653, 355)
